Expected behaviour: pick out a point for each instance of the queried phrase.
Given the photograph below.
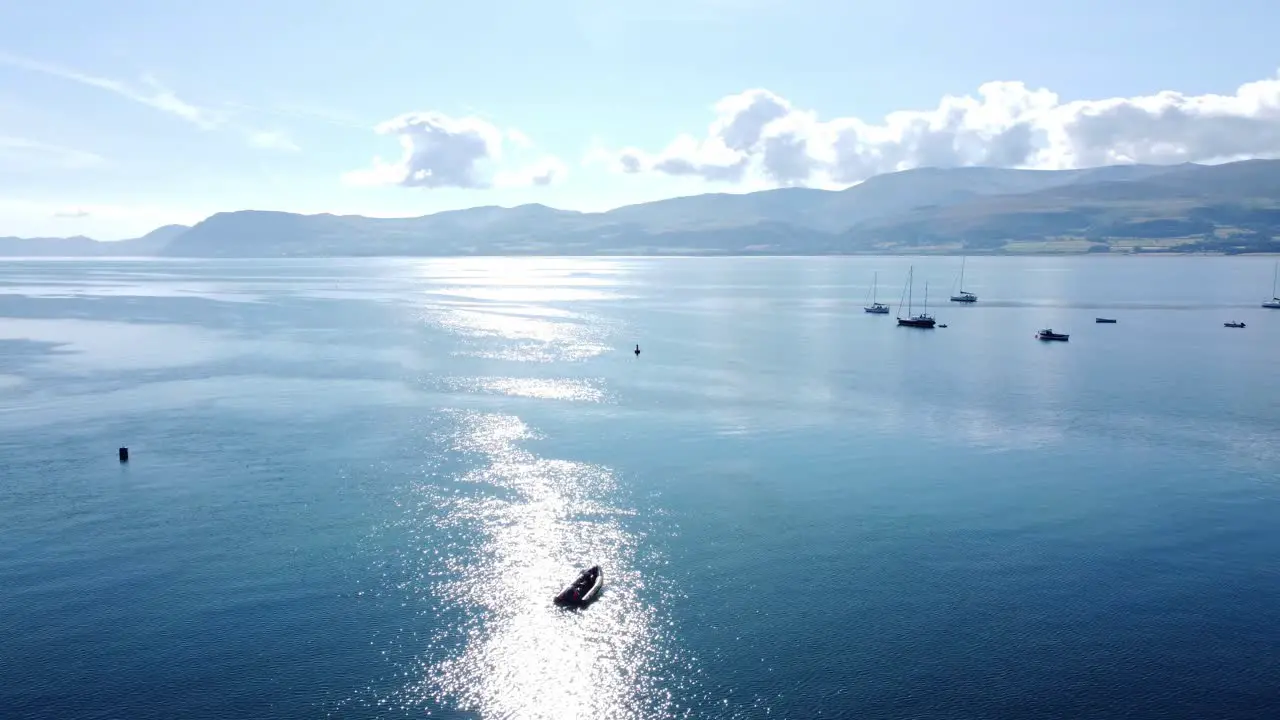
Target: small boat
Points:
(584, 590)
(1233, 324)
(1047, 334)
(942, 325)
(1111, 321)
(964, 296)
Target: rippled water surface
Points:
(355, 486)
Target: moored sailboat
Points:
(923, 320)
(964, 296)
(876, 308)
(1274, 302)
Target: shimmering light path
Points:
(527, 524)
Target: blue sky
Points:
(117, 117)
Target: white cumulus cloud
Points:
(440, 151)
(759, 136)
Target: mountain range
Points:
(1231, 208)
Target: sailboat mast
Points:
(926, 297)
(875, 280)
(962, 262)
(911, 286)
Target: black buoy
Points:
(124, 455)
(637, 351)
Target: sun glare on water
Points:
(535, 526)
(506, 533)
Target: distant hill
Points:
(151, 244)
(1220, 208)
(1234, 207)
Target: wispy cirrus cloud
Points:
(272, 140)
(151, 93)
(17, 149)
(327, 116)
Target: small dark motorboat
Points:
(1051, 335)
(584, 590)
(1233, 324)
(1110, 321)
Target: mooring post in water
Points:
(124, 454)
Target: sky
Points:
(119, 116)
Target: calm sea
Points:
(356, 484)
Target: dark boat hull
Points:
(1233, 325)
(583, 591)
(1107, 321)
(1052, 338)
(917, 323)
(965, 299)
